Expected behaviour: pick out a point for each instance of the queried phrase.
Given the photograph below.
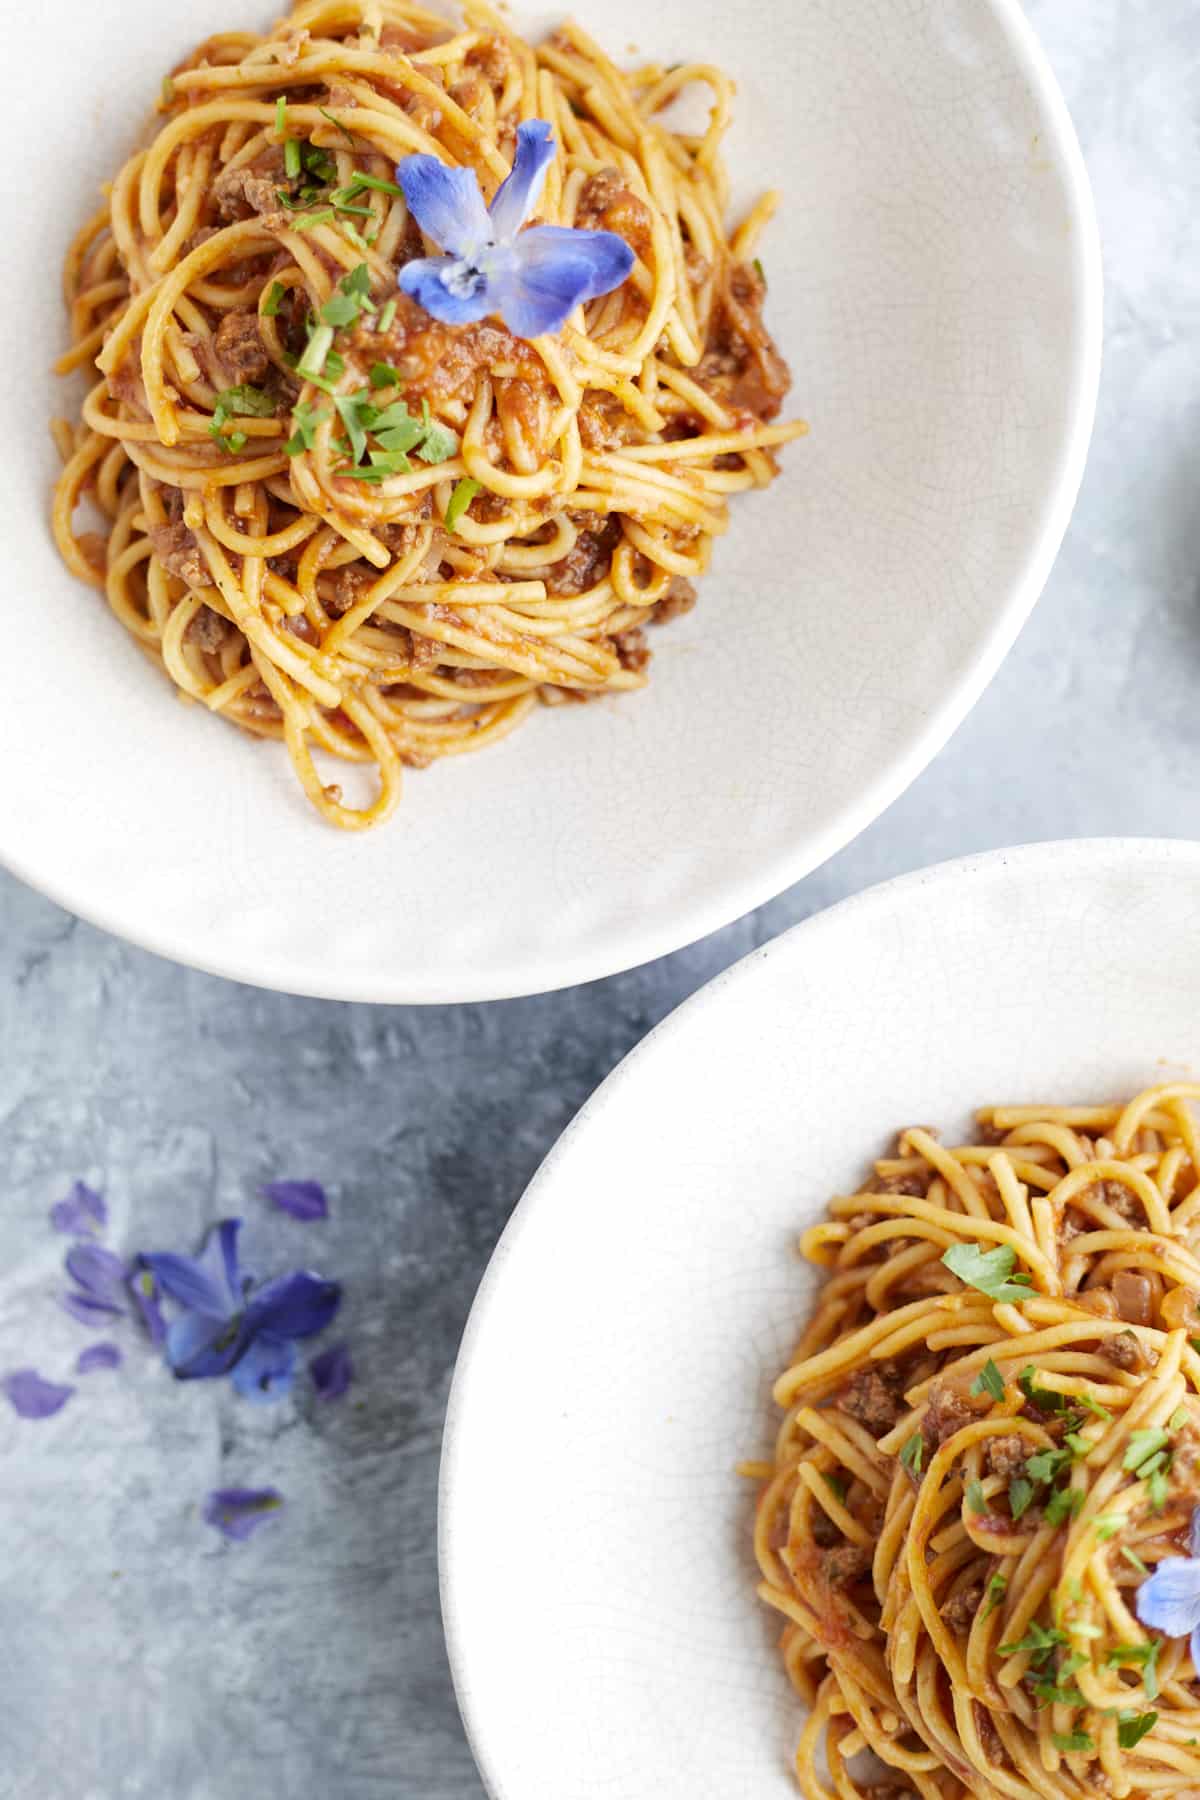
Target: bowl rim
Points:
(1040, 858)
(635, 942)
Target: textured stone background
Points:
(139, 1655)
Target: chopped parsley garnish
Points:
(1070, 1741)
(439, 443)
(281, 115)
(316, 355)
(276, 296)
(1092, 1406)
(1057, 1690)
(1020, 1496)
(997, 1587)
(975, 1499)
(1063, 1504)
(1143, 1656)
(1134, 1560)
(1047, 1464)
(989, 1381)
(1156, 1489)
(305, 418)
(1107, 1525)
(337, 125)
(359, 181)
(292, 163)
(1045, 1399)
(1178, 1419)
(1133, 1728)
(310, 220)
(988, 1270)
(760, 272)
(464, 492)
(1075, 1444)
(1143, 1447)
(838, 1486)
(253, 401)
(384, 376)
(1041, 1641)
(340, 309)
(385, 324)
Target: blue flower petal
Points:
(99, 1273)
(1194, 1543)
(31, 1397)
(208, 1283)
(292, 1306)
(143, 1290)
(89, 1311)
(304, 1200)
(267, 1370)
(446, 203)
(98, 1356)
(332, 1372)
(199, 1348)
(553, 269)
(608, 257)
(521, 189)
(425, 279)
(1169, 1600)
(238, 1512)
(81, 1214)
(1194, 1647)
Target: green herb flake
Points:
(1071, 1741)
(1134, 1560)
(1093, 1406)
(281, 115)
(1045, 1399)
(975, 1500)
(1040, 1640)
(384, 376)
(1143, 1445)
(1156, 1490)
(377, 183)
(305, 418)
(385, 322)
(989, 1381)
(1143, 1656)
(1047, 1465)
(991, 1271)
(315, 357)
(276, 295)
(337, 125)
(1131, 1730)
(1063, 1504)
(339, 310)
(837, 1486)
(464, 492)
(997, 1587)
(761, 273)
(439, 443)
(253, 402)
(310, 220)
(1107, 1525)
(1178, 1419)
(1020, 1496)
(291, 158)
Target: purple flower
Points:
(1169, 1600)
(98, 1356)
(227, 1321)
(82, 1214)
(143, 1291)
(31, 1397)
(332, 1372)
(99, 1295)
(534, 279)
(238, 1512)
(304, 1200)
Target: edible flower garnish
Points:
(332, 1372)
(228, 1325)
(31, 1397)
(82, 1214)
(304, 1200)
(1169, 1600)
(238, 1512)
(534, 279)
(99, 1294)
(98, 1356)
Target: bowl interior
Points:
(934, 283)
(597, 1577)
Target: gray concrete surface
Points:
(140, 1656)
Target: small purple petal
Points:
(293, 1306)
(609, 258)
(332, 1372)
(98, 1356)
(1170, 1599)
(209, 1283)
(144, 1291)
(88, 1311)
(521, 189)
(446, 203)
(1194, 1647)
(1194, 1542)
(238, 1512)
(199, 1348)
(554, 270)
(267, 1371)
(81, 1214)
(99, 1272)
(425, 280)
(304, 1200)
(31, 1397)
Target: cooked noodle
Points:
(944, 1645)
(352, 616)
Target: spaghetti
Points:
(992, 1437)
(548, 498)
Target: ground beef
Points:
(493, 57)
(960, 1609)
(1007, 1456)
(679, 598)
(948, 1412)
(631, 649)
(741, 365)
(125, 382)
(179, 553)
(249, 189)
(912, 1185)
(989, 1134)
(874, 1396)
(1123, 1201)
(241, 349)
(847, 1564)
(208, 629)
(442, 362)
(697, 267)
(588, 561)
(1124, 1350)
(989, 1737)
(345, 588)
(606, 204)
(824, 1531)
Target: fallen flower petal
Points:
(99, 1272)
(293, 1306)
(143, 1290)
(31, 1397)
(304, 1200)
(89, 1311)
(266, 1371)
(238, 1512)
(332, 1372)
(82, 1214)
(98, 1356)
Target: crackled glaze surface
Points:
(934, 281)
(619, 1357)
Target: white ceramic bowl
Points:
(935, 282)
(597, 1578)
